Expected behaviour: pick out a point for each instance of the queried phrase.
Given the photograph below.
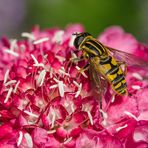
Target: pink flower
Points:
(43, 103)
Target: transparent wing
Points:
(97, 86)
(128, 58)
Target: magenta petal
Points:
(115, 37)
(40, 137)
(46, 102)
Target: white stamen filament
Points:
(113, 98)
(28, 140)
(30, 114)
(137, 76)
(68, 140)
(60, 58)
(41, 77)
(131, 115)
(28, 35)
(16, 86)
(36, 63)
(72, 107)
(121, 127)
(34, 59)
(6, 76)
(13, 44)
(90, 117)
(77, 84)
(56, 80)
(8, 95)
(53, 86)
(79, 90)
(53, 117)
(40, 40)
(61, 88)
(58, 36)
(15, 54)
(136, 87)
(63, 72)
(10, 82)
(51, 131)
(39, 65)
(20, 138)
(51, 72)
(72, 38)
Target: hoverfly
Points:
(105, 62)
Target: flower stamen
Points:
(30, 114)
(20, 138)
(41, 40)
(28, 140)
(8, 95)
(15, 54)
(121, 127)
(131, 115)
(6, 76)
(28, 35)
(41, 77)
(137, 76)
(10, 82)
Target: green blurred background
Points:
(95, 15)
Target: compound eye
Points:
(78, 40)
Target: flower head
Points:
(44, 104)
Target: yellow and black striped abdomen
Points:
(94, 48)
(114, 74)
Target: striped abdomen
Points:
(114, 74)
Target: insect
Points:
(105, 62)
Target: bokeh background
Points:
(21, 15)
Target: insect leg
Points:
(81, 70)
(96, 85)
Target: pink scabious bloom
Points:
(43, 104)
